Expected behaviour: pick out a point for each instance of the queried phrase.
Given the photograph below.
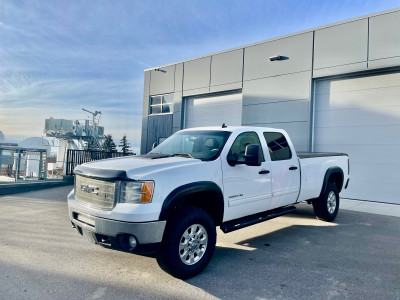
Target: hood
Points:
(132, 167)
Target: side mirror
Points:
(154, 145)
(253, 155)
(232, 159)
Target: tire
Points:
(326, 206)
(184, 253)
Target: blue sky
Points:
(59, 56)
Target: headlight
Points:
(136, 191)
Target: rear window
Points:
(278, 146)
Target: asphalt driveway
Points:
(291, 257)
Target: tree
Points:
(124, 145)
(109, 145)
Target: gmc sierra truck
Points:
(171, 199)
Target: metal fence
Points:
(78, 157)
(17, 163)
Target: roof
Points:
(231, 128)
(283, 36)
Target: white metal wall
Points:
(213, 111)
(361, 116)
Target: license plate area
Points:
(88, 235)
(84, 219)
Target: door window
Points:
(278, 146)
(239, 145)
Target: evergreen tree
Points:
(109, 145)
(124, 145)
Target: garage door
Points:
(213, 111)
(361, 116)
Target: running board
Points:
(254, 219)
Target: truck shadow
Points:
(281, 256)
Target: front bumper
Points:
(146, 233)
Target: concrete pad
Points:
(377, 208)
(291, 257)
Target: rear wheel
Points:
(188, 243)
(326, 206)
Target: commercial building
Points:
(333, 88)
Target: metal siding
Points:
(196, 92)
(278, 88)
(177, 116)
(384, 63)
(297, 48)
(341, 45)
(226, 87)
(146, 91)
(284, 111)
(197, 74)
(344, 69)
(281, 102)
(159, 126)
(143, 144)
(178, 77)
(213, 111)
(176, 119)
(227, 68)
(361, 116)
(384, 37)
(163, 81)
(175, 129)
(298, 132)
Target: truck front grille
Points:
(95, 192)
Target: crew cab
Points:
(171, 199)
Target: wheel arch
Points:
(206, 195)
(335, 175)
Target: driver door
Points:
(247, 189)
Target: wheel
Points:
(188, 243)
(326, 206)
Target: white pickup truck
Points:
(171, 199)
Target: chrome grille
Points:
(95, 192)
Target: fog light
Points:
(132, 242)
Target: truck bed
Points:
(302, 155)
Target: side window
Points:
(239, 145)
(278, 146)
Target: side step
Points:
(254, 219)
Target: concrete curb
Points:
(14, 188)
(385, 209)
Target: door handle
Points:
(292, 168)
(262, 172)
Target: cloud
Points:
(59, 56)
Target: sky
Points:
(57, 57)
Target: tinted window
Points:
(239, 145)
(204, 145)
(278, 146)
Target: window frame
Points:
(161, 104)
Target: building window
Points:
(161, 104)
(278, 146)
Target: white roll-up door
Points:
(213, 111)
(361, 116)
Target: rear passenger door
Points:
(285, 170)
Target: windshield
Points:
(204, 145)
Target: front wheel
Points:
(188, 243)
(326, 206)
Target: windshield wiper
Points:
(183, 155)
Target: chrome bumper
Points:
(145, 233)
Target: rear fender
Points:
(333, 174)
